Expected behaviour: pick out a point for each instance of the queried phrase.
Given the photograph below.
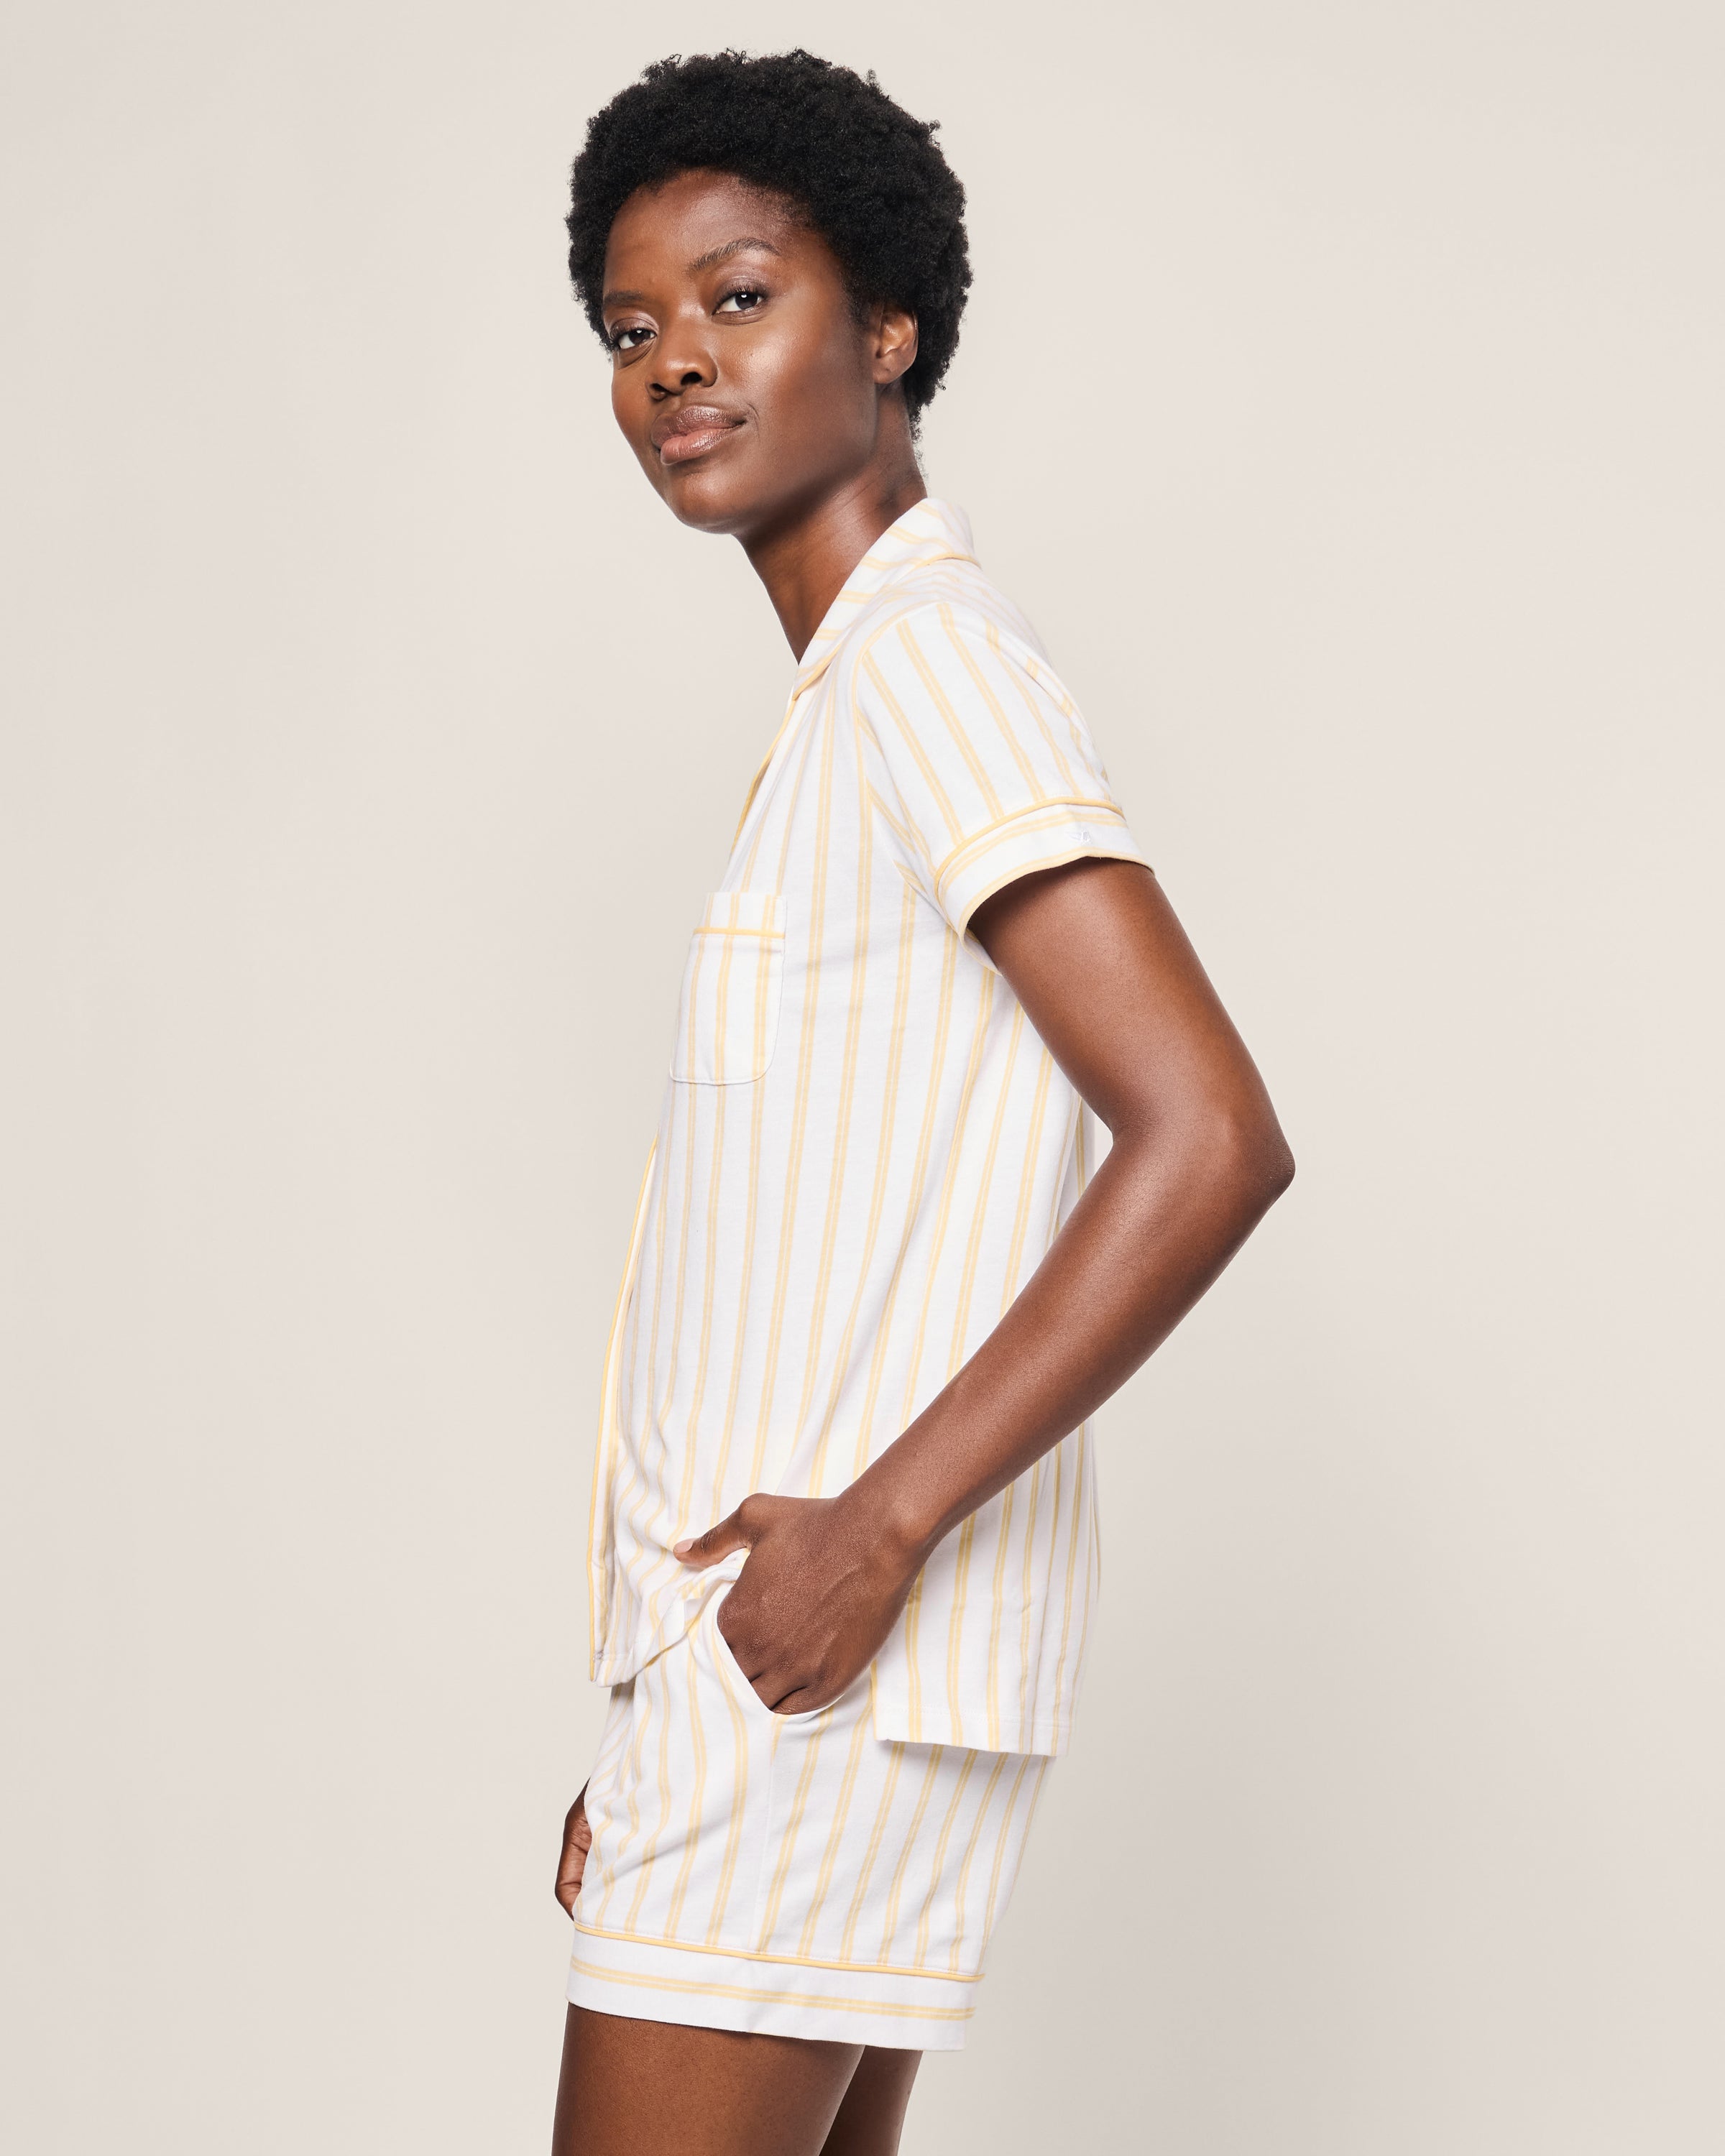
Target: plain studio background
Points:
(1340, 395)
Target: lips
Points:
(678, 436)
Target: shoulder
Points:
(953, 625)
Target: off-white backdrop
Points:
(1340, 395)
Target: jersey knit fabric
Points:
(864, 1148)
(790, 1873)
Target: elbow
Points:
(1245, 1152)
(1274, 1160)
(1221, 1147)
(1279, 1168)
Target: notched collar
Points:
(931, 530)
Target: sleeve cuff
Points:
(1046, 835)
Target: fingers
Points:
(803, 1701)
(577, 1840)
(730, 1534)
(796, 1695)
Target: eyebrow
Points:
(713, 255)
(721, 254)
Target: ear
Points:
(895, 334)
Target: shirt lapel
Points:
(931, 530)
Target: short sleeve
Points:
(984, 770)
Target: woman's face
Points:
(741, 375)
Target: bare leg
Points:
(653, 2088)
(872, 2116)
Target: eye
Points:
(743, 302)
(629, 338)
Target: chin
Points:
(704, 507)
(727, 491)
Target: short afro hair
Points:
(866, 175)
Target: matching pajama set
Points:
(864, 1152)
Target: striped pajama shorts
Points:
(789, 1873)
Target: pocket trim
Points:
(728, 1010)
(755, 1700)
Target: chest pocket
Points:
(728, 1018)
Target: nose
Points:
(682, 360)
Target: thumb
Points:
(578, 1841)
(730, 1534)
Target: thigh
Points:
(872, 2116)
(657, 2088)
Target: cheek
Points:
(806, 389)
(630, 409)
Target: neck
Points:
(804, 560)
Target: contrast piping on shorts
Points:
(777, 1998)
(793, 1961)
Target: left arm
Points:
(1107, 976)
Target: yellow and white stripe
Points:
(865, 1150)
(793, 1874)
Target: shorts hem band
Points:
(846, 1969)
(651, 1979)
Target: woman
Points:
(843, 1555)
